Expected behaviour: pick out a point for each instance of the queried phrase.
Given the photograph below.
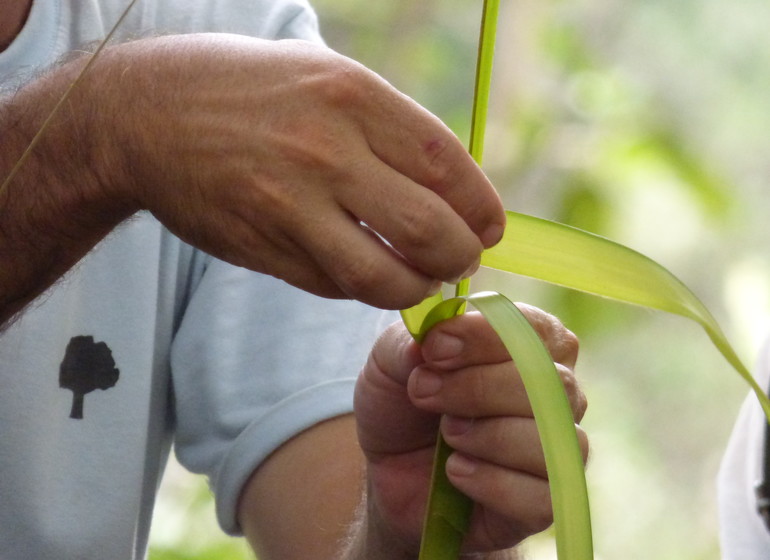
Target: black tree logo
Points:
(87, 366)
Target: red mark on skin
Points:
(435, 147)
(437, 168)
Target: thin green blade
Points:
(449, 511)
(576, 259)
(555, 424)
(482, 86)
(483, 81)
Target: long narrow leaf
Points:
(482, 85)
(442, 539)
(449, 512)
(580, 260)
(555, 424)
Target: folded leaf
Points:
(449, 511)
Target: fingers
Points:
(561, 343)
(469, 339)
(388, 423)
(499, 464)
(468, 372)
(417, 145)
(421, 226)
(510, 505)
(511, 443)
(362, 266)
(482, 391)
(498, 459)
(394, 356)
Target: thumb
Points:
(387, 420)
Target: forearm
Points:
(55, 208)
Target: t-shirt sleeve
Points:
(743, 535)
(267, 19)
(254, 363)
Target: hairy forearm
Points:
(54, 208)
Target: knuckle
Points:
(569, 342)
(425, 229)
(378, 282)
(421, 223)
(342, 82)
(360, 276)
(572, 388)
(561, 342)
(442, 163)
(568, 379)
(585, 445)
(540, 516)
(581, 406)
(481, 393)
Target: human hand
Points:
(461, 371)
(271, 155)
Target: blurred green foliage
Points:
(644, 121)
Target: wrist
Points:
(63, 185)
(54, 208)
(370, 539)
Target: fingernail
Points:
(456, 425)
(444, 347)
(428, 383)
(492, 235)
(461, 465)
(470, 271)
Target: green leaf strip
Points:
(482, 86)
(583, 261)
(555, 423)
(449, 511)
(483, 82)
(414, 317)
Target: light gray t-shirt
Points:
(148, 339)
(743, 535)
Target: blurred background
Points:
(645, 121)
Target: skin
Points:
(272, 162)
(277, 158)
(15, 13)
(484, 414)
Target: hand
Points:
(462, 371)
(273, 156)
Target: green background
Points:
(645, 121)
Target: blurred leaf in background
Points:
(184, 524)
(644, 121)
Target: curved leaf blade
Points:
(555, 424)
(449, 511)
(573, 258)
